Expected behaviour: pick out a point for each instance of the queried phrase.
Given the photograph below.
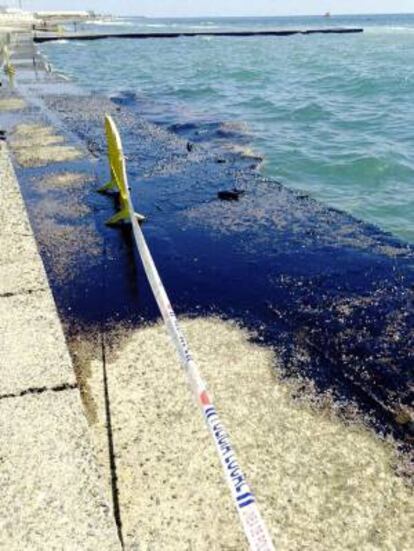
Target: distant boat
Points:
(327, 14)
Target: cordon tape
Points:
(253, 524)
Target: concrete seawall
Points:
(51, 489)
(304, 462)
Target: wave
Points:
(103, 22)
(389, 30)
(157, 25)
(204, 26)
(180, 25)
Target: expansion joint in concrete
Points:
(111, 446)
(20, 293)
(40, 390)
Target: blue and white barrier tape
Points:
(253, 524)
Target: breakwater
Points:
(183, 34)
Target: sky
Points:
(188, 8)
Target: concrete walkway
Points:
(51, 494)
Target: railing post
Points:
(118, 176)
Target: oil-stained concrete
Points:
(63, 180)
(12, 104)
(331, 292)
(35, 145)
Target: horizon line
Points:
(333, 15)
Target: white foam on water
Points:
(157, 25)
(102, 22)
(180, 25)
(389, 30)
(210, 26)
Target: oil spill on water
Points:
(333, 295)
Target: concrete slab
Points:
(11, 202)
(321, 484)
(17, 242)
(52, 496)
(12, 104)
(21, 277)
(33, 351)
(16, 246)
(51, 490)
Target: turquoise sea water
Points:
(331, 114)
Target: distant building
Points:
(65, 15)
(14, 17)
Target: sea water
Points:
(330, 114)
